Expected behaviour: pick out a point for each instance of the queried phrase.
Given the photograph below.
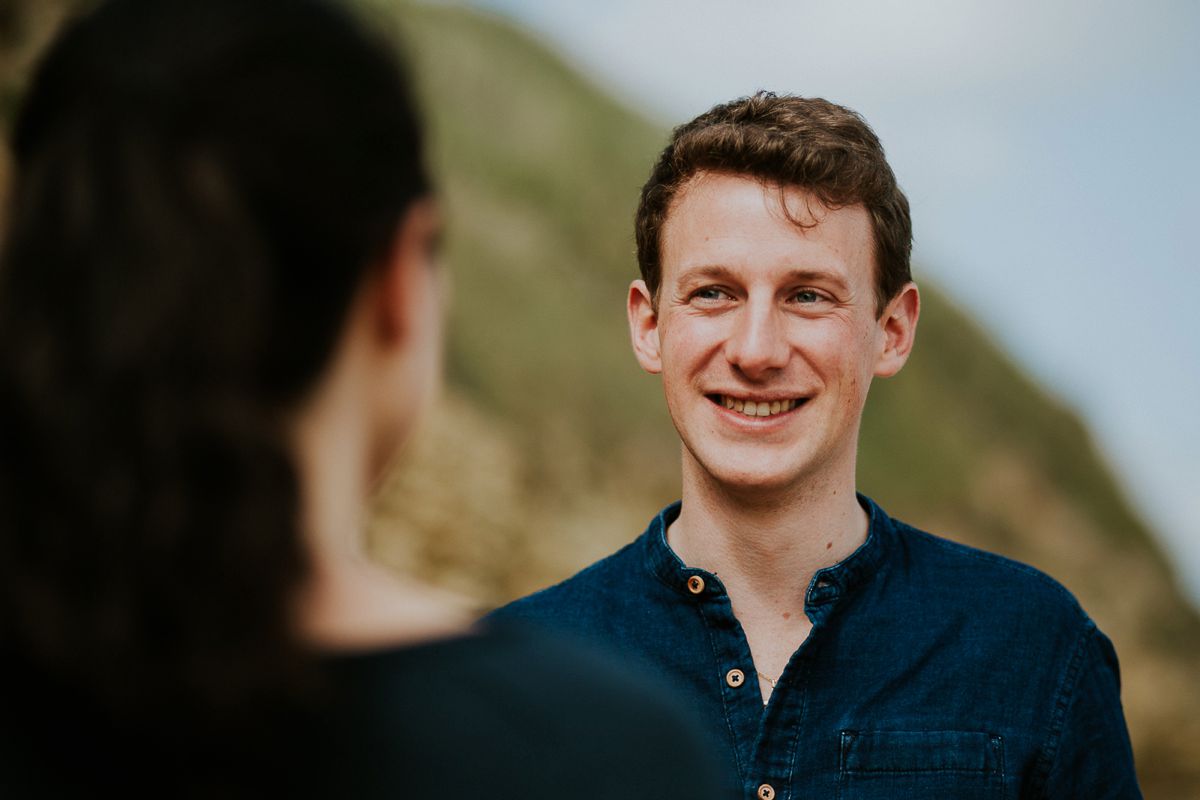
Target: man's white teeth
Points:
(755, 409)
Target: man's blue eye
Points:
(709, 294)
(807, 296)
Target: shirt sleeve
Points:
(1088, 750)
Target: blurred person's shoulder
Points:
(510, 711)
(499, 712)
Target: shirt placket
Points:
(782, 748)
(734, 677)
(765, 738)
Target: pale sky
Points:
(1049, 153)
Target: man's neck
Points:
(766, 546)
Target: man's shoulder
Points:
(981, 581)
(580, 596)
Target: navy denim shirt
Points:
(933, 670)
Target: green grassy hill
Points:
(553, 448)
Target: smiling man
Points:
(834, 651)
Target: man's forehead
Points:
(798, 203)
(725, 221)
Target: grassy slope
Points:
(557, 449)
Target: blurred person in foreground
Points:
(834, 651)
(219, 316)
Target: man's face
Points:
(766, 332)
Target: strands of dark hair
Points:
(201, 185)
(789, 142)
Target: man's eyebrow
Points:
(705, 271)
(825, 276)
(793, 276)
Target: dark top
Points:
(502, 713)
(932, 670)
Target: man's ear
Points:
(643, 327)
(402, 279)
(899, 327)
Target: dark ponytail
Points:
(200, 187)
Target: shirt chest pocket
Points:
(921, 765)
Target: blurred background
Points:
(1048, 410)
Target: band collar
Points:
(827, 584)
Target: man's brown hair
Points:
(806, 143)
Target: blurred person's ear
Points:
(404, 301)
(408, 287)
(898, 324)
(643, 327)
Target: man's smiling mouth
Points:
(756, 408)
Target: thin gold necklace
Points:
(771, 681)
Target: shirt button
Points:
(766, 792)
(735, 678)
(695, 584)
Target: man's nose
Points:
(758, 343)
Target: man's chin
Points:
(752, 472)
(755, 485)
